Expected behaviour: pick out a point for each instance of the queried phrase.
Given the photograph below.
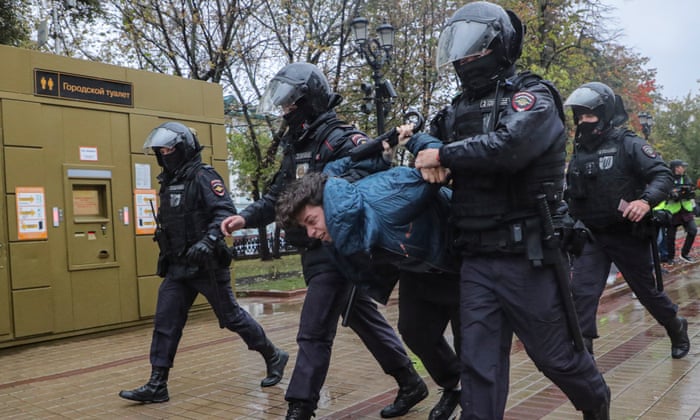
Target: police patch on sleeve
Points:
(523, 101)
(649, 151)
(217, 186)
(359, 139)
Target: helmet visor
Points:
(279, 93)
(584, 97)
(463, 39)
(161, 137)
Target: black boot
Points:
(446, 406)
(412, 390)
(275, 361)
(678, 332)
(603, 412)
(155, 391)
(299, 410)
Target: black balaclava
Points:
(173, 161)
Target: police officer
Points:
(614, 178)
(681, 205)
(193, 259)
(506, 154)
(315, 136)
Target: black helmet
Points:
(677, 162)
(302, 84)
(176, 136)
(473, 30)
(594, 98)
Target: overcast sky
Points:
(666, 32)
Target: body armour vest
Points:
(182, 220)
(486, 201)
(598, 178)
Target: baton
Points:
(374, 146)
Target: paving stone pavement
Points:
(215, 376)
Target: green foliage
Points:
(676, 132)
(14, 30)
(252, 175)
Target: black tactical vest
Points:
(183, 221)
(598, 179)
(486, 201)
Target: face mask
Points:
(173, 161)
(586, 133)
(479, 77)
(295, 120)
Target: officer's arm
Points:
(524, 132)
(340, 147)
(648, 165)
(262, 212)
(216, 198)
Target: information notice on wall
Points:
(31, 213)
(146, 211)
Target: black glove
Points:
(202, 250)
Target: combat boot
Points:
(299, 410)
(603, 412)
(275, 360)
(678, 332)
(155, 391)
(412, 390)
(446, 406)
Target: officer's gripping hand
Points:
(202, 251)
(232, 224)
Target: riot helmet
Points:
(302, 85)
(482, 41)
(180, 142)
(677, 163)
(593, 98)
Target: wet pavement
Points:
(215, 376)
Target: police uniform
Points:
(681, 205)
(507, 148)
(325, 140)
(192, 206)
(621, 169)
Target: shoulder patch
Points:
(217, 186)
(649, 151)
(523, 101)
(359, 139)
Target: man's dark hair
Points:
(308, 190)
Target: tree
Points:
(13, 29)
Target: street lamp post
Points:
(377, 53)
(646, 120)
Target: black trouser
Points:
(690, 231)
(504, 294)
(427, 303)
(175, 298)
(633, 258)
(326, 297)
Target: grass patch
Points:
(277, 274)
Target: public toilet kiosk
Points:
(76, 222)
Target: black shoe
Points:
(155, 391)
(678, 332)
(407, 397)
(275, 368)
(603, 412)
(687, 258)
(299, 410)
(446, 406)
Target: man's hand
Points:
(636, 210)
(201, 251)
(435, 175)
(428, 158)
(232, 224)
(405, 132)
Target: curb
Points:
(271, 293)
